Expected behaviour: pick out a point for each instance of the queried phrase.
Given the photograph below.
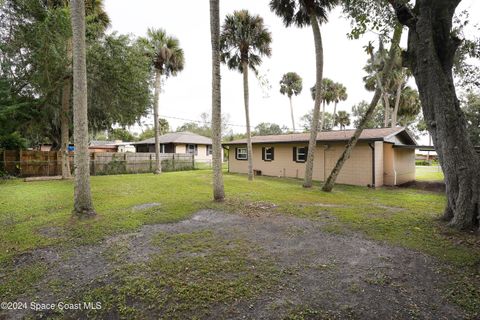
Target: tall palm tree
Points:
(304, 13)
(83, 205)
(244, 41)
(342, 119)
(218, 189)
(339, 94)
(291, 84)
(167, 60)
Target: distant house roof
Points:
(382, 134)
(179, 137)
(100, 143)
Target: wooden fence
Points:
(49, 163)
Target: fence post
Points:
(173, 162)
(4, 161)
(150, 162)
(193, 161)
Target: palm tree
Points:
(328, 96)
(218, 189)
(304, 13)
(339, 94)
(342, 119)
(244, 41)
(291, 84)
(167, 60)
(83, 205)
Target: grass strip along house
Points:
(383, 156)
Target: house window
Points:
(300, 154)
(241, 154)
(267, 154)
(209, 150)
(192, 149)
(162, 148)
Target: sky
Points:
(187, 95)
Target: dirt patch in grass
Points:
(434, 186)
(145, 206)
(218, 265)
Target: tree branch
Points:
(404, 13)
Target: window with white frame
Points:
(300, 154)
(268, 154)
(209, 150)
(162, 148)
(241, 154)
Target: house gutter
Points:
(372, 146)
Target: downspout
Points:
(372, 146)
(394, 168)
(228, 158)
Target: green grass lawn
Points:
(38, 214)
(429, 173)
(30, 211)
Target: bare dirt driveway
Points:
(219, 265)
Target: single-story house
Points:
(383, 156)
(180, 142)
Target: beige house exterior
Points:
(381, 157)
(180, 143)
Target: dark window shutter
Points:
(263, 153)
(273, 153)
(196, 149)
(294, 153)
(208, 147)
(236, 153)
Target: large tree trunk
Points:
(83, 205)
(312, 143)
(397, 104)
(218, 189)
(65, 115)
(430, 55)
(330, 182)
(247, 120)
(156, 125)
(291, 114)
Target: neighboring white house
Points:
(180, 142)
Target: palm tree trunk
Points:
(397, 104)
(83, 205)
(218, 189)
(330, 182)
(158, 164)
(335, 114)
(291, 113)
(322, 123)
(247, 119)
(312, 143)
(65, 115)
